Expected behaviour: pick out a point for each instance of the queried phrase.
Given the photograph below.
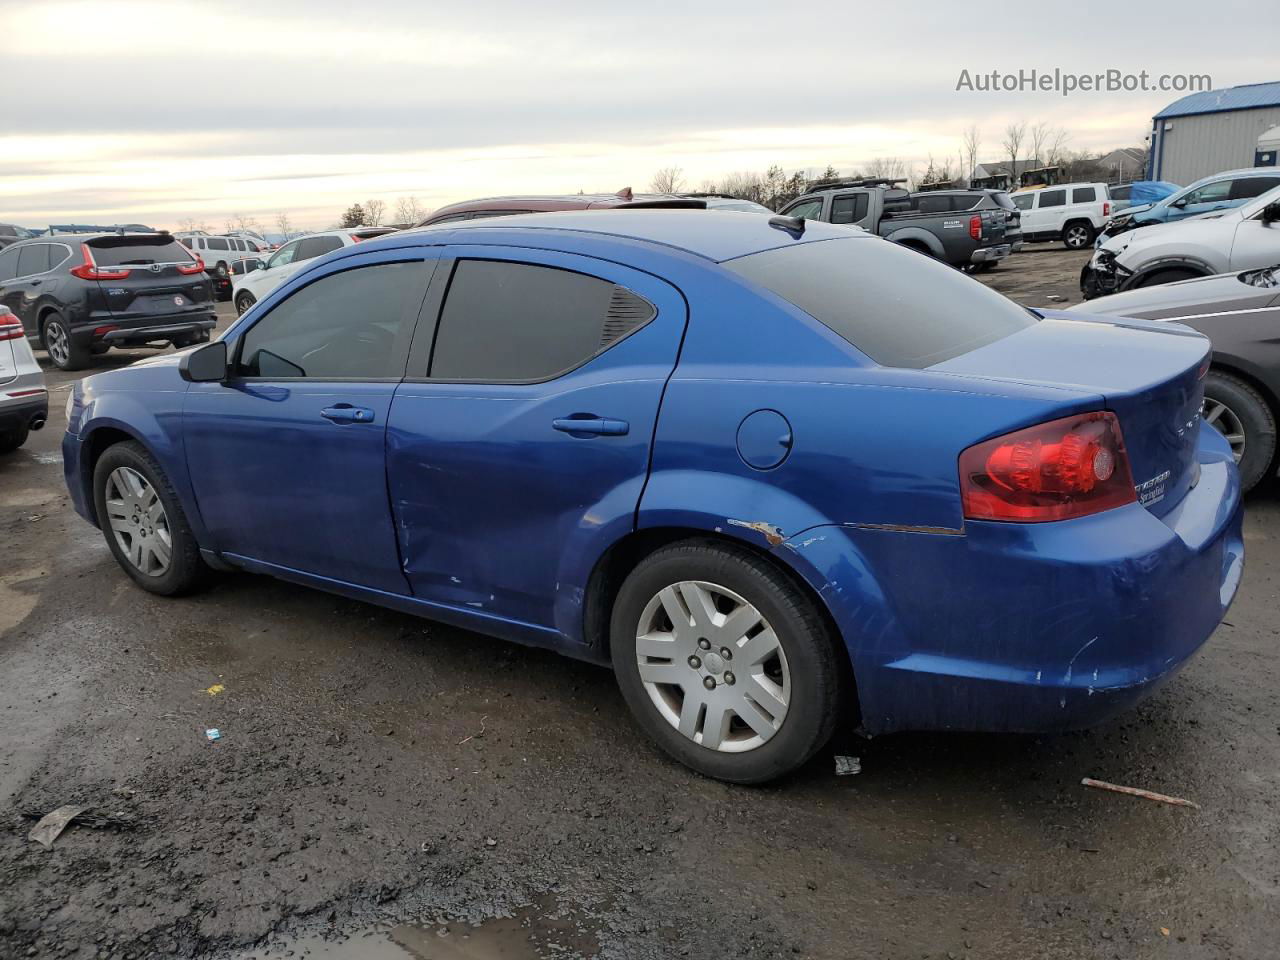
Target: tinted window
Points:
(219, 243)
(516, 321)
(1121, 193)
(9, 263)
(352, 324)
(58, 255)
(809, 209)
(33, 259)
(1052, 198)
(1084, 195)
(1023, 201)
(900, 309)
(237, 244)
(1209, 193)
(317, 246)
(849, 209)
(122, 251)
(1250, 187)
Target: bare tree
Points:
(188, 224)
(709, 186)
(889, 168)
(971, 142)
(284, 224)
(1056, 148)
(668, 180)
(373, 211)
(408, 210)
(1014, 134)
(1041, 134)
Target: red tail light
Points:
(975, 227)
(1106, 209)
(89, 270)
(10, 326)
(1053, 471)
(192, 268)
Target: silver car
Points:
(24, 401)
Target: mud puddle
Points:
(526, 936)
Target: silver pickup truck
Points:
(965, 228)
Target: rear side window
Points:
(33, 259)
(219, 243)
(900, 309)
(137, 251)
(313, 247)
(504, 322)
(1052, 198)
(1249, 187)
(849, 209)
(349, 325)
(58, 255)
(1023, 201)
(1084, 195)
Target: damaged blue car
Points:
(778, 474)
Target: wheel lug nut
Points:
(704, 643)
(709, 683)
(726, 653)
(728, 678)
(695, 662)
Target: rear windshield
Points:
(1004, 200)
(899, 307)
(121, 251)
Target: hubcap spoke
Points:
(136, 516)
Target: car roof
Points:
(717, 235)
(1242, 172)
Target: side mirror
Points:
(257, 263)
(1271, 212)
(207, 364)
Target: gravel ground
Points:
(387, 787)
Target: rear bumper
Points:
(990, 254)
(1039, 627)
(152, 330)
(29, 412)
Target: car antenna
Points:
(793, 225)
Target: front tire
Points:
(244, 300)
(1242, 415)
(1168, 276)
(724, 662)
(1077, 235)
(65, 353)
(143, 521)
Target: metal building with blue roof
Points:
(1215, 130)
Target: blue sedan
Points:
(774, 472)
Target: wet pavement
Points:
(389, 787)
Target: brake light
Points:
(1106, 208)
(191, 268)
(89, 270)
(1058, 470)
(10, 325)
(975, 227)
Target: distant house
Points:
(1206, 133)
(1123, 164)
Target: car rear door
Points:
(1049, 212)
(521, 438)
(288, 455)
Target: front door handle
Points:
(592, 426)
(346, 413)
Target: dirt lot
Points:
(389, 788)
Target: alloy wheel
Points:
(139, 522)
(56, 342)
(1227, 422)
(713, 666)
(1077, 237)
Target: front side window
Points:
(849, 209)
(284, 255)
(504, 322)
(347, 325)
(1210, 193)
(1052, 198)
(855, 287)
(1084, 195)
(808, 209)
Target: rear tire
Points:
(12, 439)
(1077, 235)
(786, 660)
(1242, 415)
(140, 516)
(65, 353)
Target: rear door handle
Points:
(346, 413)
(592, 426)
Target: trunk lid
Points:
(1148, 374)
(154, 287)
(8, 363)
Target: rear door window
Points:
(849, 209)
(506, 322)
(313, 247)
(1084, 195)
(1051, 198)
(1246, 188)
(33, 259)
(856, 287)
(219, 243)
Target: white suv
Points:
(261, 277)
(1071, 212)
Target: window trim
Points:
(41, 273)
(438, 295)
(413, 315)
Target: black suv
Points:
(81, 295)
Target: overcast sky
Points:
(154, 112)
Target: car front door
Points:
(1206, 199)
(287, 456)
(526, 438)
(278, 267)
(1256, 244)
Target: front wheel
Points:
(724, 662)
(244, 300)
(143, 522)
(1237, 411)
(1077, 236)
